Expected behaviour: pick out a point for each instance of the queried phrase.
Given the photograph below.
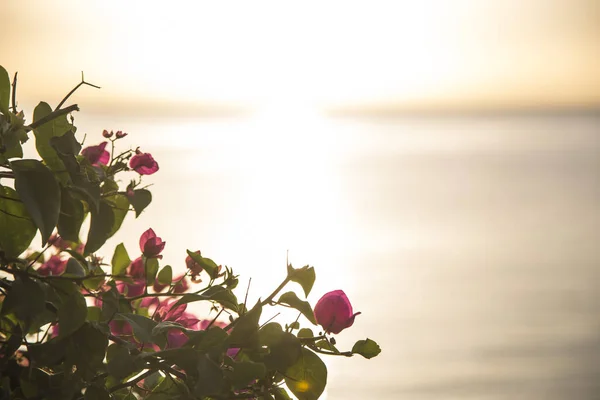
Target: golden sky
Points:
(206, 55)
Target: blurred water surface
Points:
(470, 244)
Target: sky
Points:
(209, 57)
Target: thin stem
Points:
(54, 114)
(83, 82)
(14, 93)
(272, 295)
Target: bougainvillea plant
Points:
(73, 326)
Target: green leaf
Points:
(121, 363)
(120, 260)
(18, 230)
(223, 296)
(366, 348)
(100, 227)
(94, 313)
(96, 393)
(120, 206)
(211, 268)
(43, 133)
(4, 91)
(72, 314)
(165, 276)
(210, 377)
(74, 269)
(71, 216)
(151, 265)
(140, 200)
(40, 193)
(304, 307)
(305, 276)
(305, 333)
(142, 329)
(203, 341)
(26, 299)
(244, 332)
(307, 378)
(279, 393)
(244, 372)
(86, 350)
(66, 148)
(284, 348)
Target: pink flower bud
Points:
(334, 312)
(120, 134)
(96, 154)
(107, 134)
(143, 164)
(150, 244)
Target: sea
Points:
(469, 243)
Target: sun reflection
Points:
(290, 199)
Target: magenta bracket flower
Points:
(334, 312)
(96, 155)
(151, 245)
(143, 163)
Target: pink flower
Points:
(334, 312)
(143, 164)
(151, 245)
(54, 266)
(96, 154)
(136, 271)
(180, 287)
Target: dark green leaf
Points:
(86, 349)
(140, 200)
(304, 307)
(284, 348)
(18, 230)
(120, 260)
(203, 341)
(244, 332)
(100, 227)
(74, 269)
(210, 377)
(366, 348)
(305, 276)
(66, 148)
(121, 363)
(142, 329)
(71, 314)
(39, 191)
(307, 378)
(96, 393)
(244, 372)
(26, 299)
(165, 276)
(120, 206)
(71, 216)
(43, 133)
(4, 91)
(279, 393)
